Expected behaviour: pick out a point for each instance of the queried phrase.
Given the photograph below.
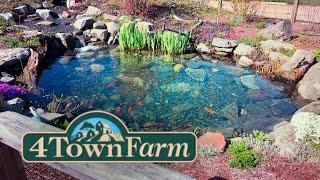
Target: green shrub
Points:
(207, 151)
(131, 38)
(261, 25)
(235, 21)
(252, 41)
(242, 156)
(288, 52)
(15, 42)
(317, 53)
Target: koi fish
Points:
(119, 109)
(154, 126)
(209, 110)
(114, 84)
(183, 127)
(137, 103)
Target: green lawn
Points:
(306, 2)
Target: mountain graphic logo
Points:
(99, 136)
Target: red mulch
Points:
(273, 167)
(44, 172)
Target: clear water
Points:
(147, 93)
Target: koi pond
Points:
(173, 94)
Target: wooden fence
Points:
(276, 10)
(12, 128)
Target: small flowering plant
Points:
(9, 91)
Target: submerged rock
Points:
(177, 87)
(178, 67)
(232, 111)
(195, 64)
(96, 68)
(196, 74)
(249, 81)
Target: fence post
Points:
(11, 167)
(295, 11)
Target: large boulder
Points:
(83, 23)
(309, 86)
(93, 11)
(223, 47)
(109, 17)
(113, 28)
(298, 65)
(244, 61)
(278, 57)
(11, 57)
(243, 50)
(144, 26)
(269, 46)
(22, 10)
(99, 25)
(215, 140)
(101, 34)
(313, 107)
(67, 40)
(284, 139)
(282, 29)
(7, 16)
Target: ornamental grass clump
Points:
(242, 156)
(8, 91)
(132, 38)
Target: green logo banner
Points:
(101, 136)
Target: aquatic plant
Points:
(133, 38)
(242, 156)
(207, 151)
(9, 91)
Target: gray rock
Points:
(101, 34)
(144, 26)
(265, 124)
(282, 29)
(249, 81)
(80, 42)
(8, 80)
(284, 139)
(309, 86)
(298, 65)
(45, 23)
(203, 48)
(83, 23)
(10, 57)
(232, 111)
(67, 40)
(244, 61)
(48, 5)
(7, 16)
(16, 104)
(44, 13)
(99, 25)
(22, 10)
(196, 74)
(36, 6)
(224, 43)
(313, 107)
(96, 68)
(93, 11)
(243, 50)
(109, 17)
(269, 46)
(113, 28)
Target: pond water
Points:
(150, 93)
